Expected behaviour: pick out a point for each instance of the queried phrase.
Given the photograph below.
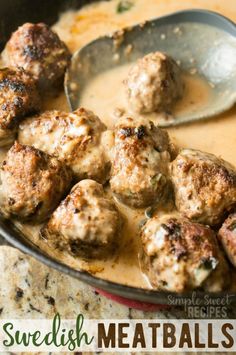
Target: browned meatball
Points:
(86, 223)
(227, 237)
(154, 83)
(205, 186)
(18, 98)
(140, 163)
(32, 183)
(39, 50)
(76, 138)
(179, 255)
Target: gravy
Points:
(216, 136)
(109, 100)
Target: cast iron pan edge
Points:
(15, 238)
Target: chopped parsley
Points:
(209, 263)
(232, 226)
(123, 6)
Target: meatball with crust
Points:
(180, 255)
(32, 184)
(227, 237)
(154, 83)
(140, 163)
(86, 223)
(75, 138)
(39, 50)
(18, 98)
(205, 186)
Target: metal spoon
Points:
(201, 41)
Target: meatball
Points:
(180, 255)
(227, 237)
(86, 223)
(32, 184)
(75, 138)
(154, 83)
(140, 163)
(18, 98)
(205, 186)
(39, 50)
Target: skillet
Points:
(12, 14)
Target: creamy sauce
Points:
(123, 266)
(105, 95)
(78, 28)
(216, 136)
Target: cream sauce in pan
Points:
(106, 95)
(216, 136)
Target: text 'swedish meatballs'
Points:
(205, 186)
(75, 138)
(180, 255)
(39, 50)
(227, 237)
(154, 83)
(86, 223)
(32, 184)
(140, 163)
(18, 98)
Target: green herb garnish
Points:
(149, 212)
(156, 179)
(209, 263)
(123, 6)
(232, 226)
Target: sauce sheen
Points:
(216, 136)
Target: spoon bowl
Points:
(202, 42)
